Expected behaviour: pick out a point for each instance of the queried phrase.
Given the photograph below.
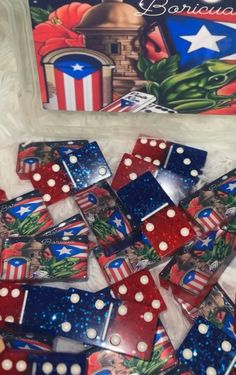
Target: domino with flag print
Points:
(214, 204)
(151, 150)
(168, 230)
(71, 227)
(196, 267)
(163, 357)
(143, 197)
(52, 182)
(92, 318)
(17, 339)
(185, 161)
(25, 215)
(35, 154)
(134, 101)
(86, 166)
(207, 350)
(132, 259)
(129, 168)
(106, 216)
(24, 258)
(216, 307)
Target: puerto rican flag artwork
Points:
(26, 207)
(198, 39)
(78, 80)
(78, 228)
(205, 243)
(131, 102)
(229, 187)
(118, 269)
(29, 345)
(28, 165)
(208, 218)
(194, 281)
(162, 340)
(16, 268)
(64, 250)
(121, 225)
(86, 200)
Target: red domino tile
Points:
(13, 362)
(11, 302)
(133, 329)
(140, 287)
(129, 169)
(151, 150)
(168, 230)
(52, 182)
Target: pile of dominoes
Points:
(150, 212)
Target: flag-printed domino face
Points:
(214, 204)
(14, 362)
(129, 169)
(25, 215)
(86, 166)
(156, 108)
(58, 363)
(185, 161)
(168, 230)
(132, 259)
(143, 196)
(11, 297)
(17, 339)
(140, 288)
(52, 182)
(23, 258)
(132, 102)
(194, 265)
(106, 216)
(206, 341)
(151, 150)
(33, 155)
(92, 318)
(98, 362)
(74, 226)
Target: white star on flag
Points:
(203, 39)
(206, 241)
(67, 152)
(117, 222)
(77, 67)
(23, 210)
(64, 250)
(231, 186)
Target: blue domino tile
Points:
(185, 161)
(58, 363)
(143, 196)
(69, 313)
(207, 350)
(176, 186)
(86, 166)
